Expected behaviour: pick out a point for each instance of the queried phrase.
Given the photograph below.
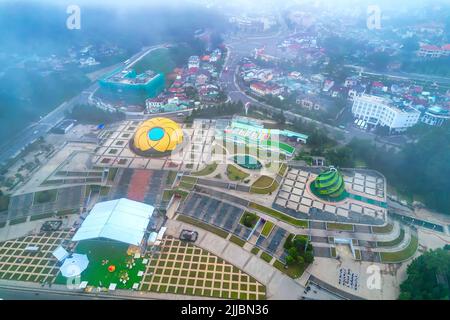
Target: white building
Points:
(380, 111)
(194, 62)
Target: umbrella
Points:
(74, 265)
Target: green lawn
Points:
(266, 257)
(399, 256)
(264, 185)
(97, 273)
(255, 250)
(394, 242)
(384, 229)
(210, 168)
(202, 225)
(235, 174)
(237, 240)
(267, 228)
(339, 226)
(279, 215)
(357, 254)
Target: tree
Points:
(309, 257)
(428, 277)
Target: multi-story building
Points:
(266, 89)
(194, 62)
(381, 111)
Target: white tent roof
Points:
(74, 265)
(60, 253)
(122, 220)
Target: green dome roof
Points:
(329, 184)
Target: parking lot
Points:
(215, 212)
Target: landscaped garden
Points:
(299, 255)
(402, 255)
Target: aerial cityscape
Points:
(225, 150)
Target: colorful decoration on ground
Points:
(111, 268)
(329, 185)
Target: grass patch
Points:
(255, 250)
(171, 177)
(17, 221)
(167, 194)
(189, 179)
(279, 215)
(202, 225)
(267, 228)
(399, 256)
(333, 252)
(235, 174)
(45, 196)
(41, 216)
(394, 242)
(357, 254)
(339, 226)
(4, 202)
(237, 240)
(264, 185)
(210, 168)
(384, 229)
(186, 185)
(266, 257)
(293, 271)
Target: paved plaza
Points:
(365, 204)
(185, 269)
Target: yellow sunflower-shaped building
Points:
(157, 136)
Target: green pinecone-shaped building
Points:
(329, 185)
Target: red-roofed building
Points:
(266, 89)
(430, 51)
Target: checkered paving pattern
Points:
(182, 268)
(17, 264)
(114, 150)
